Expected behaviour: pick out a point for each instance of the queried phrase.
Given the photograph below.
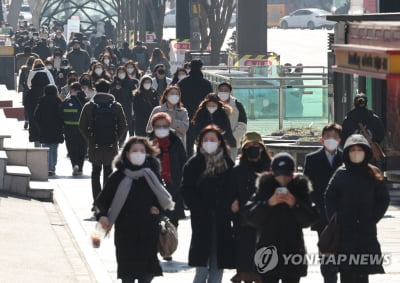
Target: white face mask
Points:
(173, 99)
(161, 132)
(210, 146)
(106, 61)
(147, 86)
(137, 158)
(357, 156)
(49, 67)
(331, 144)
(51, 45)
(98, 71)
(212, 109)
(122, 76)
(130, 70)
(73, 93)
(224, 96)
(181, 77)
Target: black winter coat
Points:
(143, 103)
(219, 118)
(79, 60)
(318, 169)
(369, 119)
(177, 158)
(242, 185)
(194, 88)
(124, 95)
(136, 230)
(280, 225)
(360, 201)
(49, 120)
(204, 197)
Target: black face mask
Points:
(253, 152)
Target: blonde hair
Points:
(37, 63)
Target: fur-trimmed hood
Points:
(300, 184)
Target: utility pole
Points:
(182, 19)
(252, 27)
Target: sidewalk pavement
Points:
(51, 242)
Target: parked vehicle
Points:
(170, 19)
(307, 18)
(25, 13)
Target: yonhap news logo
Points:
(266, 259)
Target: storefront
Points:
(367, 59)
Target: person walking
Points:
(102, 123)
(37, 79)
(237, 117)
(361, 114)
(78, 58)
(47, 117)
(254, 160)
(280, 209)
(319, 167)
(358, 196)
(122, 88)
(145, 99)
(133, 204)
(158, 58)
(205, 191)
(141, 56)
(85, 81)
(171, 104)
(98, 72)
(160, 81)
(71, 109)
(21, 58)
(212, 111)
(23, 86)
(172, 156)
(194, 89)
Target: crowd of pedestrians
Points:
(163, 142)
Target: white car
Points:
(307, 18)
(25, 14)
(170, 18)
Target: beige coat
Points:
(180, 120)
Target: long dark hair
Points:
(164, 97)
(215, 129)
(122, 159)
(211, 97)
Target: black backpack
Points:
(104, 130)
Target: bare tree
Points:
(218, 16)
(157, 11)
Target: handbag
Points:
(329, 239)
(168, 238)
(377, 151)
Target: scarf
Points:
(162, 195)
(164, 144)
(215, 162)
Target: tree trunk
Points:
(219, 13)
(157, 11)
